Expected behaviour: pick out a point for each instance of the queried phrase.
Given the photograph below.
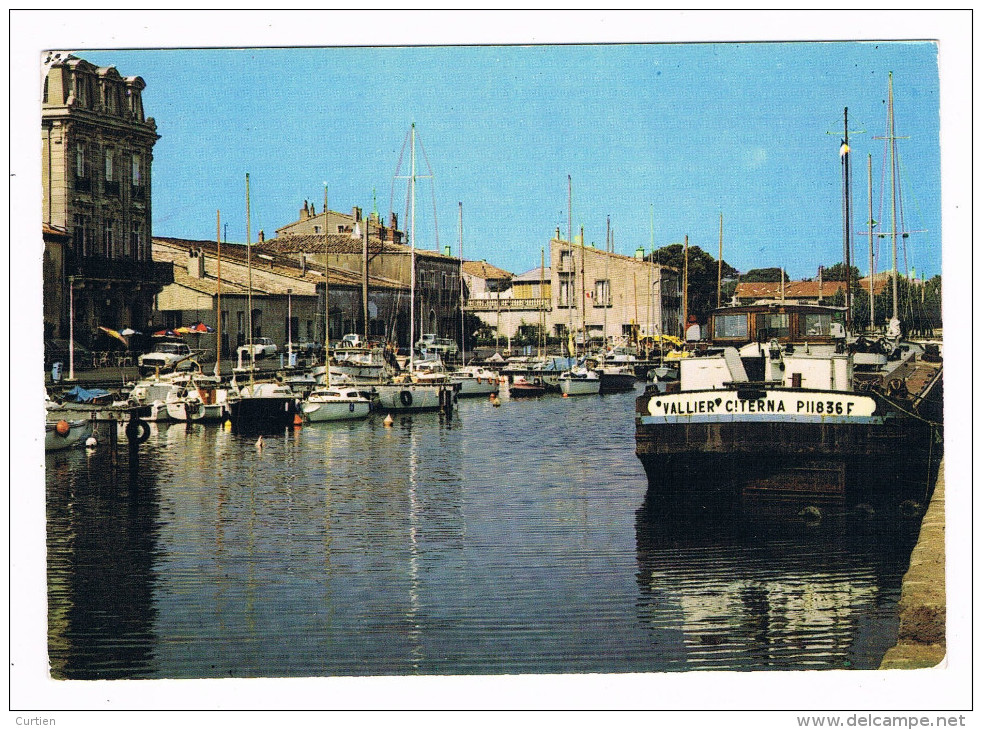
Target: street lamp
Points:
(71, 328)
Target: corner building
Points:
(96, 156)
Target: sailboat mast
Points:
(460, 228)
(719, 265)
(252, 352)
(685, 288)
(327, 296)
(218, 304)
(869, 186)
(583, 289)
(893, 188)
(606, 282)
(412, 249)
(570, 299)
(844, 154)
(542, 295)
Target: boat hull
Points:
(73, 433)
(411, 396)
(620, 382)
(262, 414)
(579, 386)
(879, 453)
(335, 411)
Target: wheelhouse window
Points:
(730, 326)
(819, 324)
(771, 325)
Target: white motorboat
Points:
(430, 370)
(579, 381)
(475, 380)
(335, 404)
(410, 396)
(201, 400)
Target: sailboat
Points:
(258, 406)
(332, 401)
(808, 416)
(403, 393)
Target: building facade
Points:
(96, 156)
(589, 292)
(286, 294)
(372, 253)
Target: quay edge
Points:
(921, 635)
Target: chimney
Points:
(196, 263)
(305, 212)
(262, 236)
(393, 221)
(356, 213)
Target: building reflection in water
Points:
(101, 539)
(720, 589)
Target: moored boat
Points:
(65, 433)
(579, 381)
(475, 380)
(335, 404)
(258, 407)
(782, 406)
(521, 387)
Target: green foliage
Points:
(919, 306)
(758, 275)
(838, 273)
(703, 271)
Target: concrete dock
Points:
(921, 635)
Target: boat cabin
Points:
(785, 323)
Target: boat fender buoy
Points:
(351, 408)
(62, 428)
(388, 420)
(137, 431)
(811, 514)
(406, 398)
(297, 420)
(91, 442)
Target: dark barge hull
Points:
(786, 465)
(262, 415)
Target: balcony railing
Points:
(110, 187)
(507, 305)
(83, 184)
(123, 270)
(139, 192)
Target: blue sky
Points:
(669, 134)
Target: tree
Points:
(703, 271)
(838, 273)
(757, 275)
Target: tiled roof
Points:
(281, 265)
(337, 243)
(484, 270)
(801, 289)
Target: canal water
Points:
(507, 540)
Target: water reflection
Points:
(501, 540)
(725, 590)
(102, 538)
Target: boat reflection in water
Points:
(723, 590)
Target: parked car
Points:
(261, 347)
(166, 354)
(432, 343)
(308, 349)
